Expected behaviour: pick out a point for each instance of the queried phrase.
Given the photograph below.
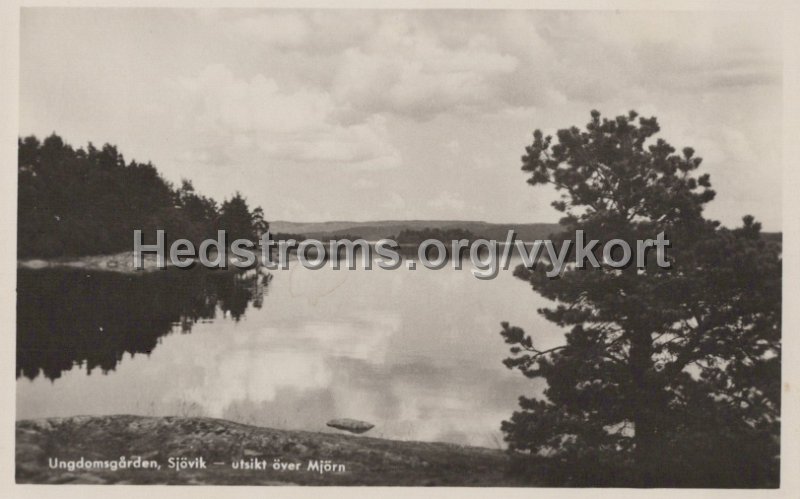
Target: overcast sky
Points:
(356, 115)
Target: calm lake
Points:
(417, 353)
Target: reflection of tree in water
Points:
(73, 317)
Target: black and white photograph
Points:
(472, 246)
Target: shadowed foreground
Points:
(366, 461)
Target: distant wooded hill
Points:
(375, 230)
(392, 228)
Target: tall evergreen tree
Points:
(667, 377)
(239, 222)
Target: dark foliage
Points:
(668, 377)
(75, 202)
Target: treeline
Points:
(75, 202)
(415, 237)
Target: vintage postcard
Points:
(539, 247)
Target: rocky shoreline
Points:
(176, 450)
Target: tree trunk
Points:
(645, 401)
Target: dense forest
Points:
(75, 202)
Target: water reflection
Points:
(68, 318)
(417, 353)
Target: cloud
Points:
(305, 96)
(600, 53)
(421, 66)
(298, 125)
(407, 69)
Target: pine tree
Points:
(667, 377)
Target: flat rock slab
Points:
(354, 460)
(351, 425)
